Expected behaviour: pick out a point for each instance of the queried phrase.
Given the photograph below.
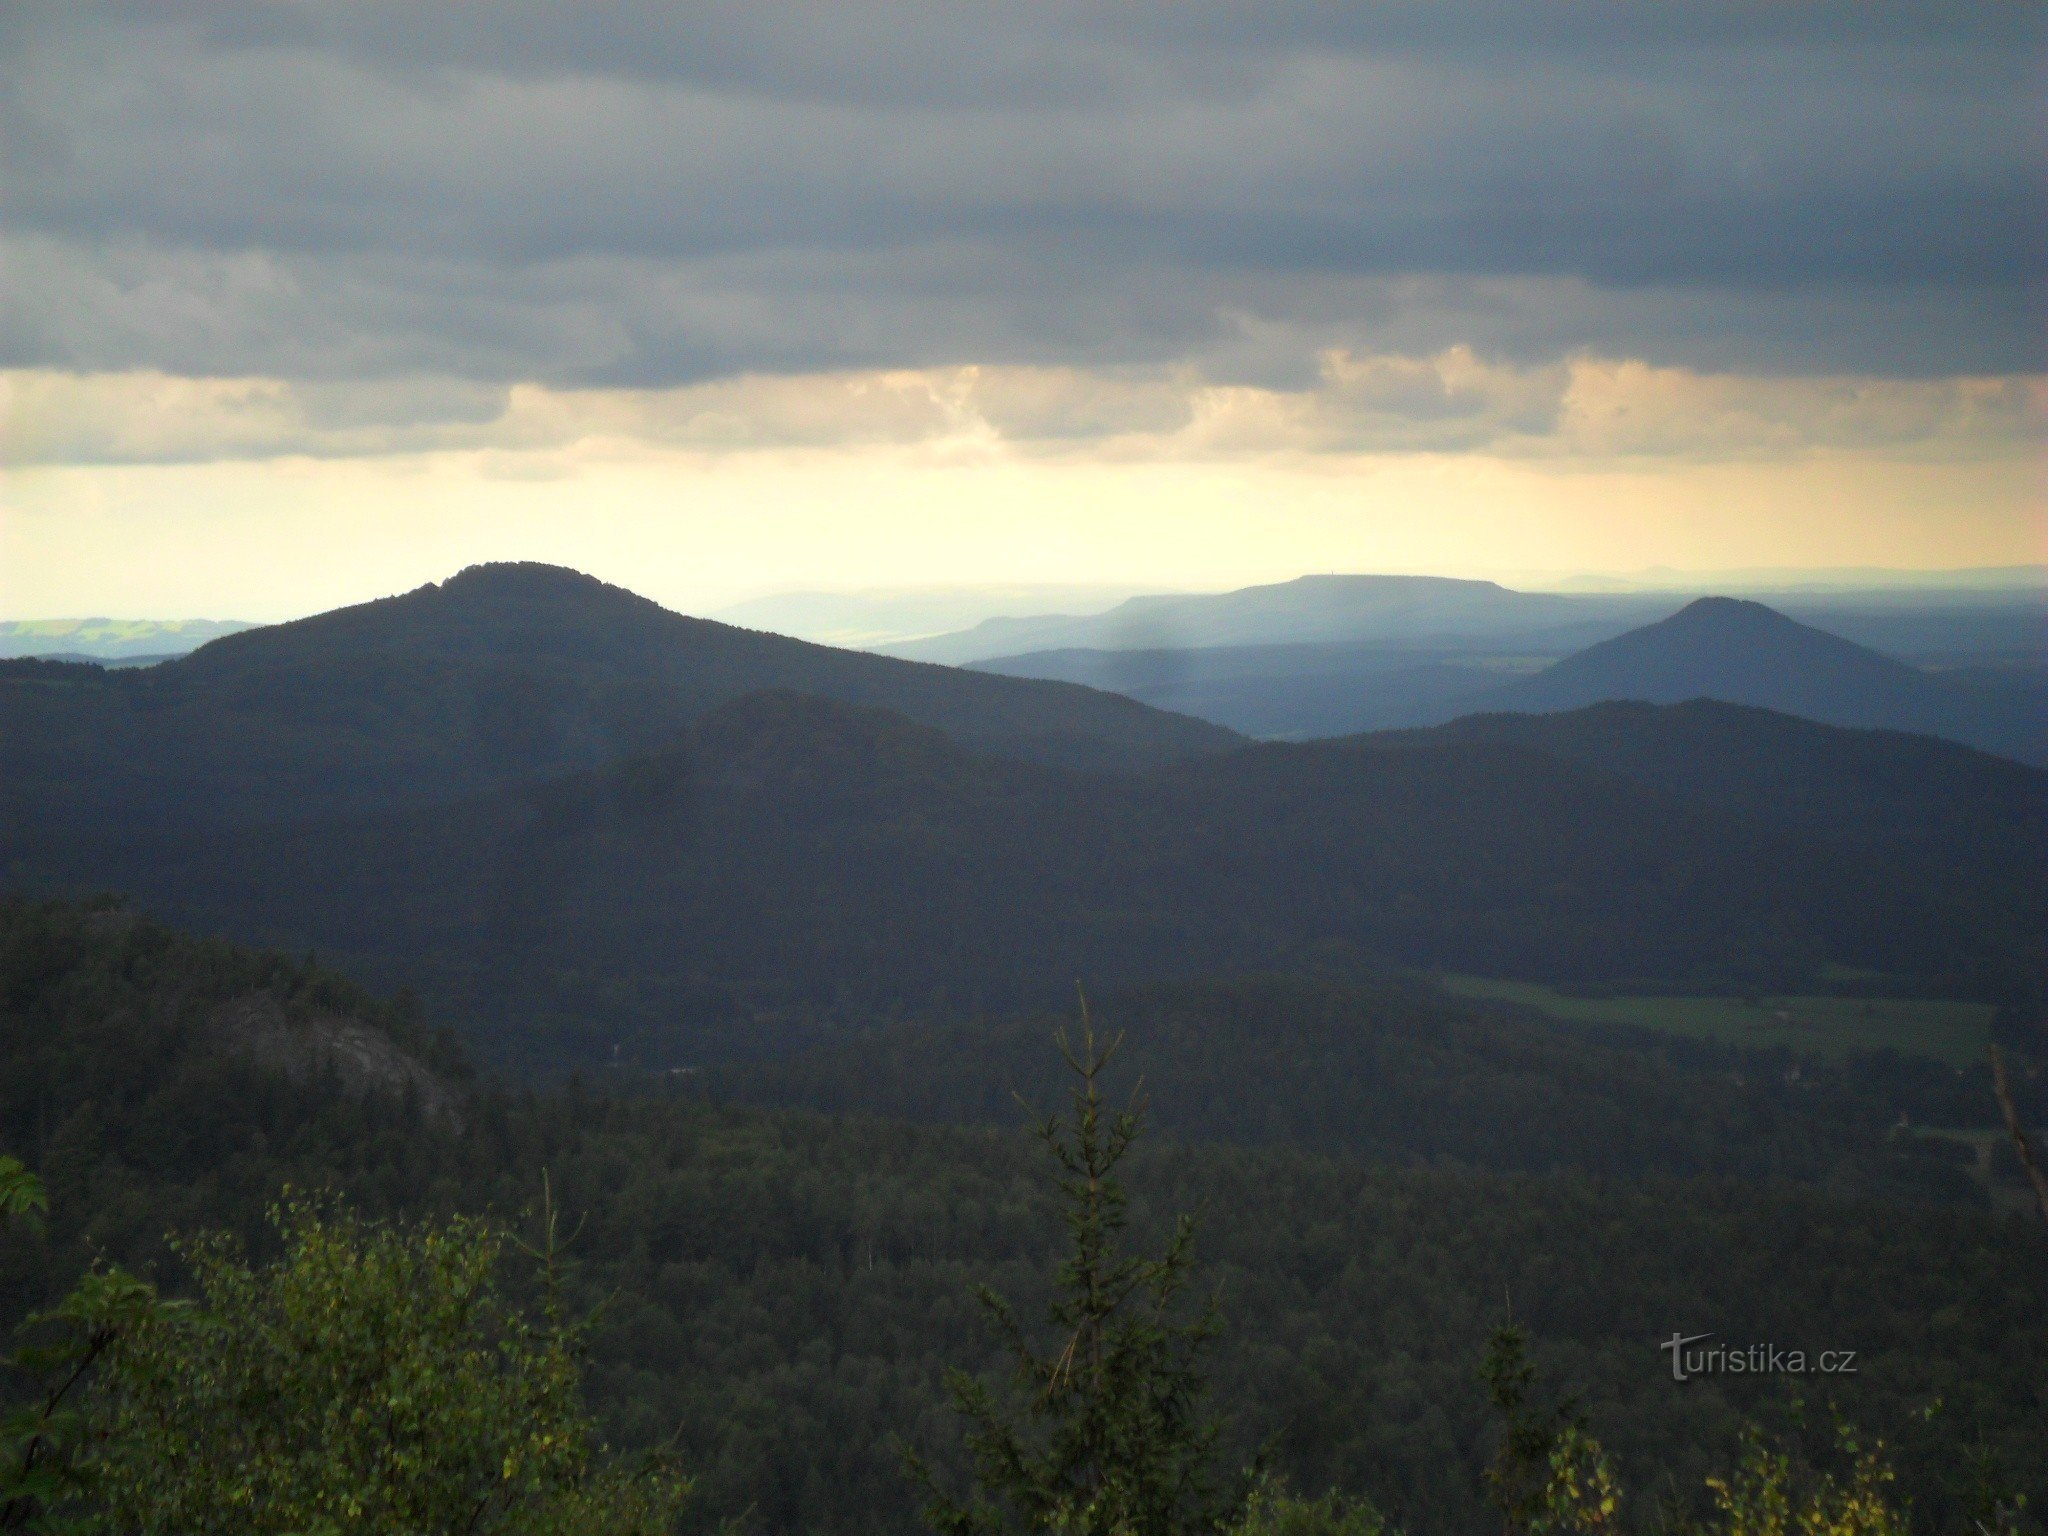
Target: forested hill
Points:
(1887, 791)
(1747, 653)
(784, 1291)
(789, 857)
(503, 674)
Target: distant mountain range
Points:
(1412, 611)
(1849, 580)
(130, 640)
(2003, 613)
(1720, 648)
(575, 820)
(146, 659)
(1290, 692)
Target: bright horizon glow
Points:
(271, 539)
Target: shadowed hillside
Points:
(789, 858)
(504, 674)
(1877, 789)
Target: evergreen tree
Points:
(1107, 1434)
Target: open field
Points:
(1954, 1032)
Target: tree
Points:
(1769, 1494)
(1109, 1436)
(1549, 1476)
(43, 1443)
(371, 1379)
(21, 1192)
(1272, 1511)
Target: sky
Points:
(306, 303)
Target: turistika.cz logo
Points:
(1692, 1356)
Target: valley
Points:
(1956, 1033)
(756, 950)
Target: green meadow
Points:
(1957, 1033)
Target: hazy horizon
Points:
(1084, 598)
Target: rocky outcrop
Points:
(301, 1046)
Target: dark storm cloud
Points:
(648, 194)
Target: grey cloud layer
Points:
(649, 195)
(1456, 401)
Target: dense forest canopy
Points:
(788, 858)
(1882, 790)
(790, 1286)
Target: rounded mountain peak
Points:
(1729, 611)
(521, 576)
(521, 586)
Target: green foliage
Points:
(1770, 1493)
(373, 1378)
(1549, 1476)
(1399, 1073)
(1272, 1511)
(43, 1441)
(49, 1443)
(1112, 1439)
(21, 1192)
(791, 1287)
